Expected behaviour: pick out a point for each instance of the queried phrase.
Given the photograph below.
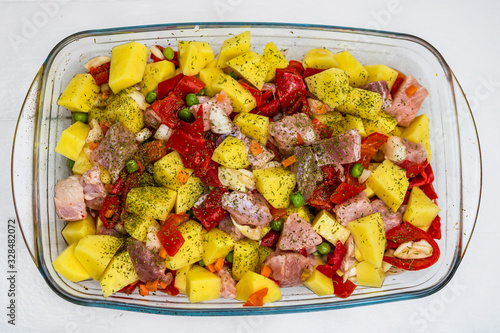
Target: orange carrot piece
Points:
(411, 90)
(265, 271)
(220, 98)
(211, 268)
(182, 177)
(105, 94)
(321, 109)
(255, 148)
(109, 213)
(162, 285)
(163, 253)
(300, 141)
(108, 188)
(152, 285)
(93, 145)
(289, 161)
(219, 264)
(143, 291)
(257, 298)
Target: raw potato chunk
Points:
(252, 67)
(420, 210)
(233, 47)
(381, 72)
(418, 132)
(389, 183)
(369, 236)
(264, 252)
(357, 73)
(252, 282)
(383, 123)
(319, 58)
(319, 283)
(369, 275)
(126, 110)
(231, 178)
(188, 194)
(137, 226)
(208, 76)
(245, 258)
(181, 277)
(231, 153)
(128, 63)
(327, 226)
(216, 244)
(95, 252)
(202, 285)
(166, 169)
(80, 93)
(193, 56)
(332, 120)
(191, 251)
(362, 103)
(275, 59)
(72, 140)
(119, 273)
(82, 163)
(276, 185)
(76, 230)
(69, 266)
(241, 99)
(330, 86)
(354, 122)
(254, 126)
(155, 73)
(153, 202)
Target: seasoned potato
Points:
(369, 275)
(155, 73)
(167, 168)
(95, 252)
(241, 99)
(216, 244)
(330, 86)
(319, 283)
(246, 257)
(193, 56)
(319, 58)
(119, 274)
(276, 185)
(208, 76)
(389, 183)
(381, 72)
(72, 140)
(79, 94)
(383, 123)
(68, 265)
(188, 194)
(76, 230)
(362, 103)
(251, 66)
(233, 47)
(275, 59)
(357, 73)
(327, 226)
(231, 153)
(254, 126)
(420, 210)
(202, 285)
(369, 236)
(252, 282)
(128, 63)
(137, 226)
(418, 132)
(191, 251)
(153, 202)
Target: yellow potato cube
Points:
(357, 73)
(153, 202)
(398, 131)
(330, 86)
(128, 63)
(241, 99)
(76, 230)
(231, 153)
(188, 194)
(389, 183)
(233, 47)
(155, 73)
(369, 192)
(252, 282)
(369, 236)
(275, 59)
(420, 210)
(181, 278)
(137, 226)
(95, 252)
(319, 283)
(354, 122)
(252, 67)
(327, 226)
(82, 163)
(276, 185)
(245, 258)
(125, 109)
(119, 274)
(79, 94)
(69, 266)
(264, 252)
(369, 275)
(193, 56)
(362, 103)
(166, 169)
(208, 76)
(383, 123)
(381, 72)
(216, 244)
(72, 140)
(191, 251)
(319, 58)
(418, 132)
(332, 120)
(202, 285)
(212, 64)
(253, 126)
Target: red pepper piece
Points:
(201, 157)
(270, 239)
(331, 174)
(335, 258)
(407, 196)
(429, 191)
(266, 96)
(109, 209)
(345, 191)
(342, 289)
(184, 143)
(101, 73)
(210, 212)
(435, 228)
(295, 67)
(370, 146)
(195, 128)
(269, 110)
(399, 80)
(210, 175)
(430, 174)
(277, 213)
(153, 151)
(406, 232)
(189, 85)
(321, 130)
(129, 289)
(257, 298)
(168, 85)
(290, 87)
(168, 108)
(256, 93)
(170, 236)
(172, 290)
(327, 270)
(321, 196)
(303, 252)
(413, 169)
(311, 71)
(119, 186)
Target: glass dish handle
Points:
(472, 172)
(22, 167)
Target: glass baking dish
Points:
(456, 156)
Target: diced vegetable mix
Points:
(322, 178)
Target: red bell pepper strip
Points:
(342, 289)
(435, 228)
(399, 80)
(413, 169)
(109, 209)
(430, 174)
(277, 213)
(331, 174)
(201, 157)
(119, 185)
(169, 235)
(184, 143)
(295, 67)
(210, 212)
(153, 151)
(256, 93)
(257, 298)
(327, 270)
(270, 239)
(171, 289)
(311, 71)
(369, 147)
(101, 73)
(321, 196)
(210, 175)
(300, 106)
(195, 128)
(189, 85)
(168, 108)
(345, 191)
(269, 110)
(335, 258)
(266, 96)
(406, 232)
(129, 289)
(303, 252)
(168, 85)
(429, 191)
(321, 130)
(290, 87)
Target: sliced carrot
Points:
(300, 141)
(163, 253)
(220, 98)
(321, 109)
(411, 90)
(109, 213)
(182, 177)
(265, 271)
(211, 268)
(93, 145)
(289, 161)
(219, 264)
(108, 188)
(152, 285)
(255, 148)
(257, 298)
(105, 94)
(162, 285)
(143, 291)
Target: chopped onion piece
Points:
(140, 99)
(96, 62)
(163, 132)
(157, 52)
(95, 134)
(143, 135)
(152, 241)
(364, 176)
(414, 250)
(105, 86)
(253, 233)
(394, 149)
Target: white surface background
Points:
(466, 34)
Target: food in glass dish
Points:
(237, 175)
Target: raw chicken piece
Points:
(297, 234)
(404, 108)
(70, 199)
(247, 208)
(353, 208)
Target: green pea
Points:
(184, 114)
(151, 97)
(131, 166)
(230, 256)
(169, 53)
(277, 225)
(324, 248)
(201, 92)
(71, 164)
(233, 75)
(201, 263)
(356, 170)
(191, 99)
(297, 199)
(80, 116)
